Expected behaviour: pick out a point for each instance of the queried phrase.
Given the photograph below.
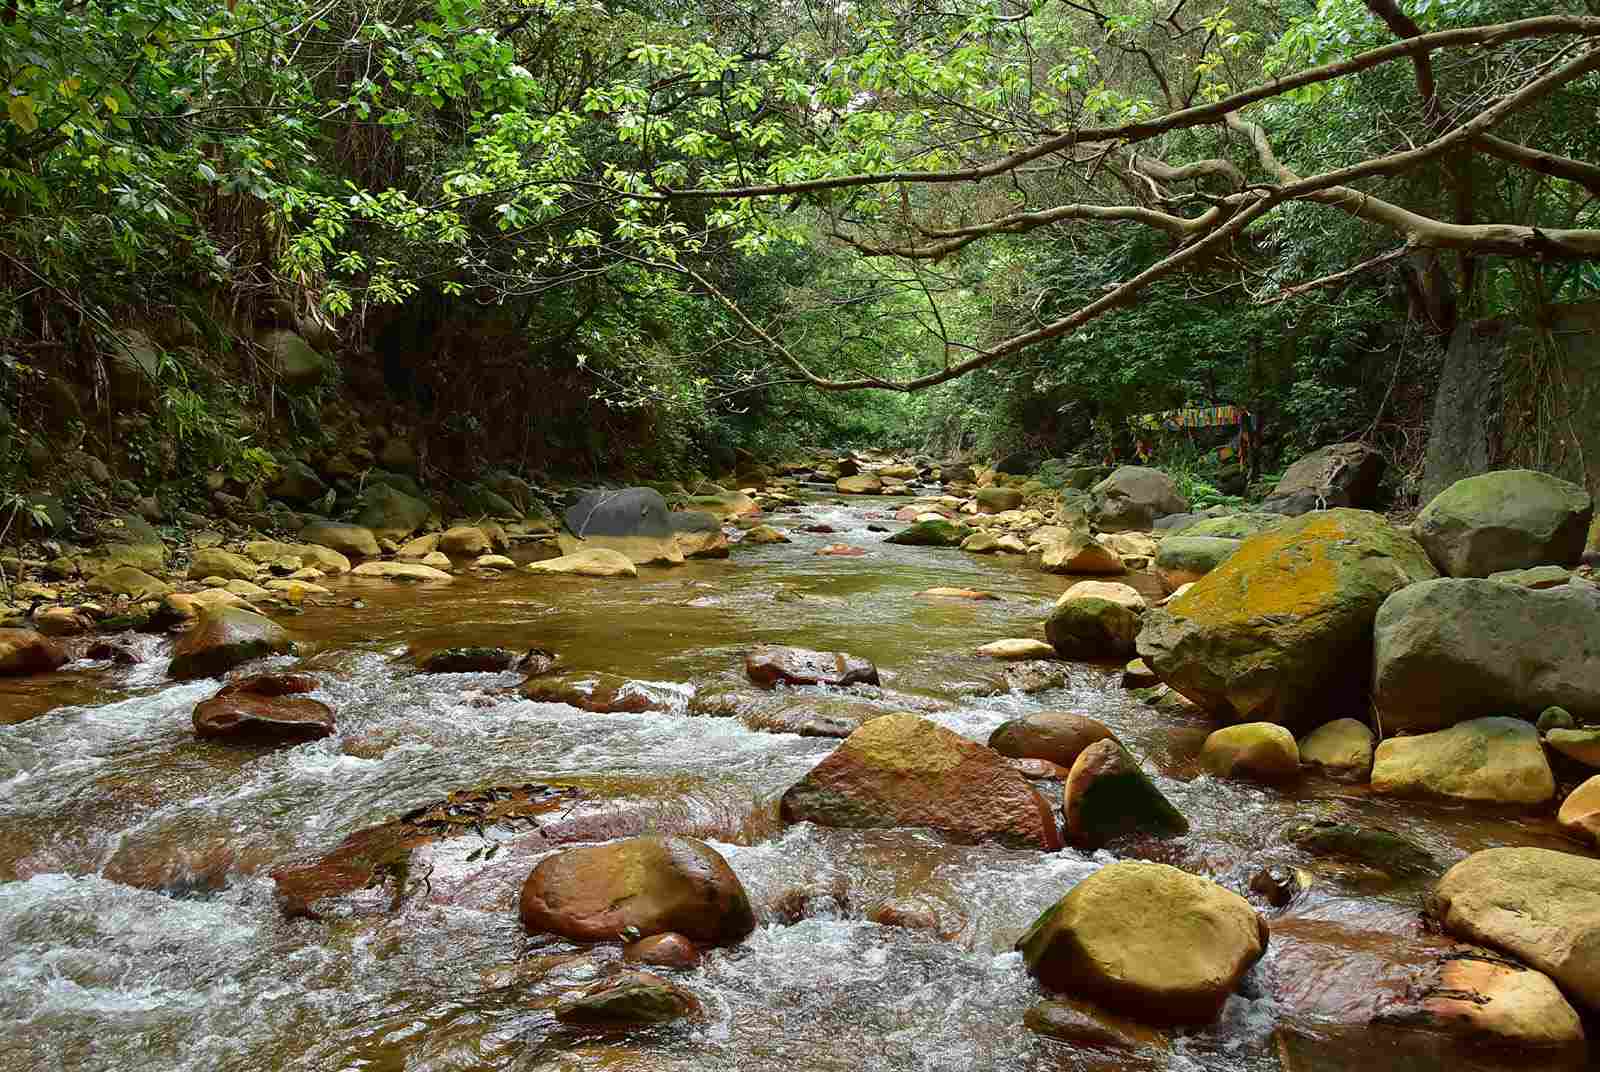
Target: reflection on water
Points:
(138, 927)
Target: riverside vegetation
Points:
(557, 535)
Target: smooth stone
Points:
(1342, 748)
(1264, 751)
(1057, 736)
(1492, 760)
(589, 562)
(401, 571)
(1017, 648)
(1107, 795)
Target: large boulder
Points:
(1089, 627)
(298, 483)
(1148, 940)
(349, 541)
(390, 513)
(1117, 592)
(128, 581)
(631, 521)
(1494, 760)
(464, 541)
(1482, 997)
(1505, 520)
(1540, 906)
(1107, 796)
(1183, 559)
(1074, 550)
(769, 665)
(1057, 736)
(25, 651)
(265, 708)
(314, 555)
(1280, 631)
(1448, 650)
(1132, 497)
(1233, 526)
(1344, 474)
(223, 638)
(636, 888)
(901, 770)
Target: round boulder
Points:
(1493, 760)
(1088, 627)
(27, 651)
(1148, 940)
(1057, 736)
(638, 887)
(265, 709)
(1342, 748)
(1505, 520)
(1132, 497)
(224, 637)
(1264, 751)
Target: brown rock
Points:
(842, 550)
(669, 950)
(644, 886)
(26, 651)
(1079, 1021)
(223, 638)
(1057, 736)
(463, 541)
(769, 665)
(1107, 795)
(262, 708)
(901, 770)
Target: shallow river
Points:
(139, 929)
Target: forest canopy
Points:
(714, 209)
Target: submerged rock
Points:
(1368, 846)
(1493, 760)
(1506, 520)
(469, 660)
(1147, 940)
(901, 770)
(670, 950)
(637, 888)
(1280, 632)
(770, 665)
(1540, 906)
(600, 693)
(223, 638)
(1084, 1023)
(1107, 796)
(626, 1000)
(26, 651)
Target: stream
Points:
(139, 927)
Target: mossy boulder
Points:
(1186, 558)
(1282, 630)
(215, 562)
(129, 582)
(931, 533)
(1234, 526)
(1089, 627)
(997, 500)
(903, 771)
(861, 484)
(1108, 796)
(1147, 940)
(627, 1000)
(295, 362)
(390, 513)
(1505, 520)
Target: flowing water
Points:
(139, 927)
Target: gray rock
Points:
(1343, 474)
(1452, 649)
(1507, 520)
(1131, 499)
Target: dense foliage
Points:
(646, 230)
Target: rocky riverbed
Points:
(658, 793)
